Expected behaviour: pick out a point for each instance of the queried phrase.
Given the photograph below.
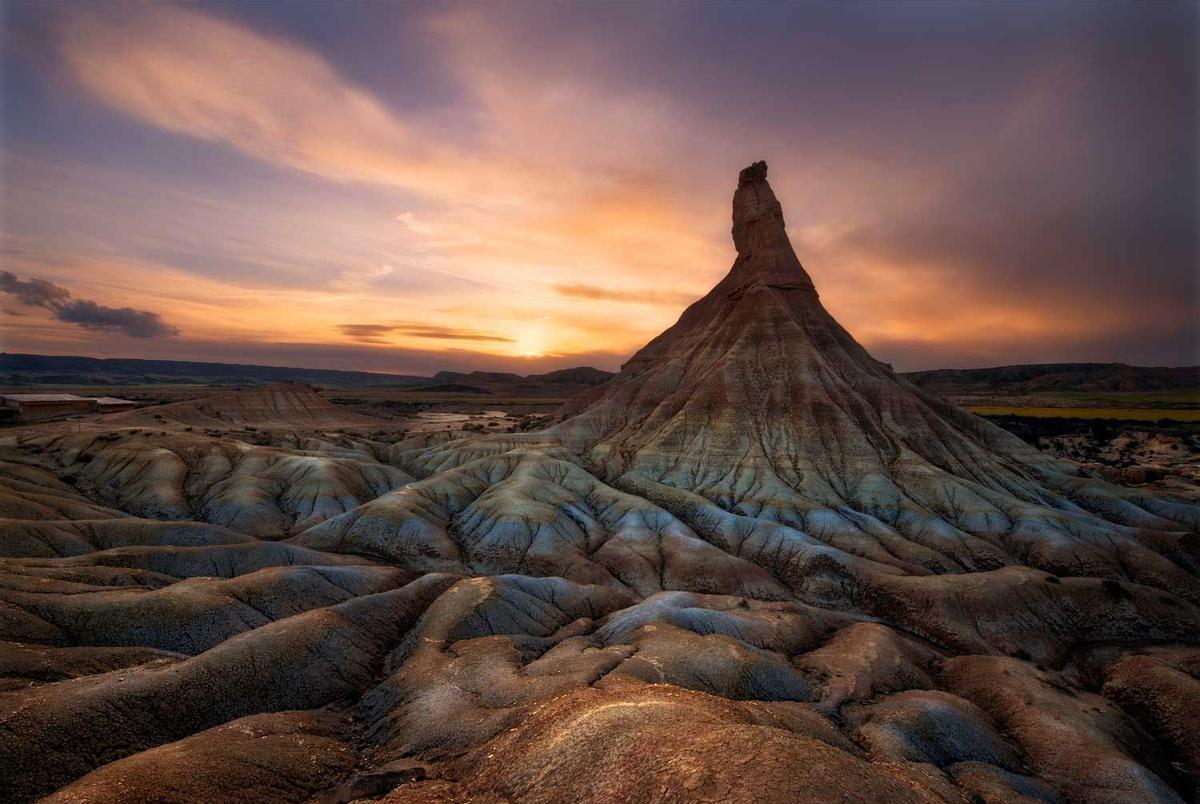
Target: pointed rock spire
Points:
(765, 254)
(756, 383)
(757, 214)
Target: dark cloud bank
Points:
(84, 312)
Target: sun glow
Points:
(531, 341)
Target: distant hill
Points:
(450, 388)
(26, 369)
(582, 375)
(283, 403)
(562, 383)
(23, 369)
(1046, 377)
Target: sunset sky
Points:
(528, 186)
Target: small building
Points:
(34, 407)
(110, 404)
(37, 407)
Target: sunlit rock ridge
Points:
(756, 565)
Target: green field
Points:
(1117, 399)
(1125, 414)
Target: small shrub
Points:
(1114, 589)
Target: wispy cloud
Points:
(200, 75)
(625, 295)
(361, 278)
(85, 313)
(374, 333)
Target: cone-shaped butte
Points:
(757, 377)
(758, 401)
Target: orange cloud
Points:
(625, 295)
(203, 76)
(375, 333)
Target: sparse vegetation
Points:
(1121, 414)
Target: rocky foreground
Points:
(755, 566)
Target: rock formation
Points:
(756, 565)
(286, 404)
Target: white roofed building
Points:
(36, 407)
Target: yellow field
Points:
(1127, 414)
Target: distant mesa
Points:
(283, 404)
(555, 384)
(27, 369)
(1029, 379)
(451, 388)
(36, 370)
(581, 375)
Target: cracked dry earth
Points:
(755, 566)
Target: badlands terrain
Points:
(757, 565)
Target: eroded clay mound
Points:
(755, 566)
(287, 404)
(263, 491)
